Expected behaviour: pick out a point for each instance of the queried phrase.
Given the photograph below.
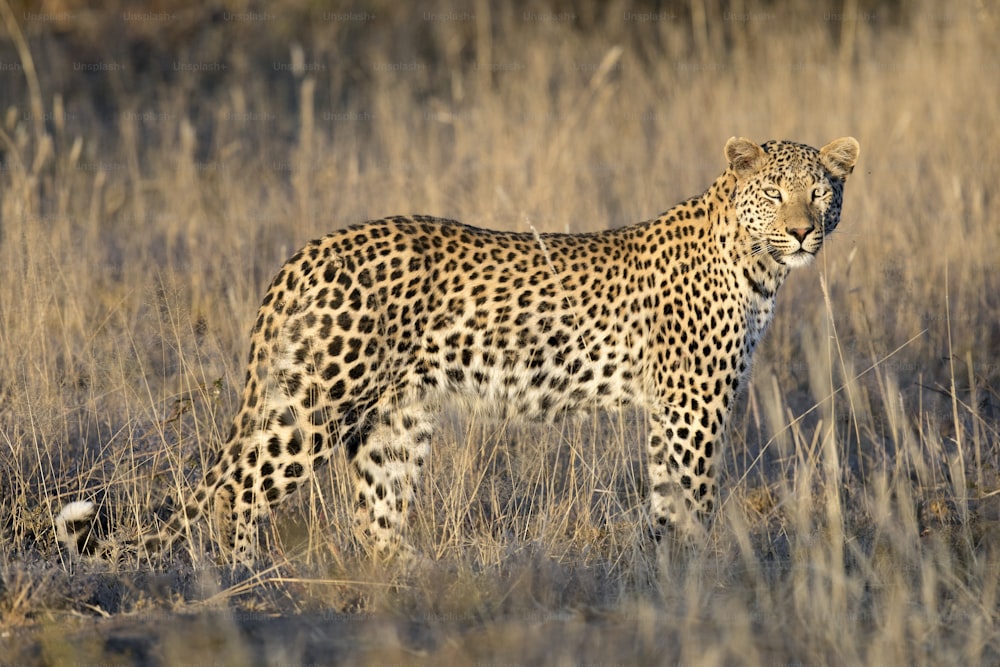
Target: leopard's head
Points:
(788, 195)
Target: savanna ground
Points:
(160, 163)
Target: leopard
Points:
(365, 333)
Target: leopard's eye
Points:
(773, 193)
(818, 193)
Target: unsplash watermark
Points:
(449, 16)
(398, 67)
(50, 116)
(200, 67)
(648, 17)
(299, 68)
(698, 68)
(542, 17)
(211, 166)
(148, 116)
(347, 116)
(846, 17)
(590, 68)
(247, 17)
(499, 67)
(98, 67)
(249, 116)
(101, 166)
(348, 17)
(747, 17)
(150, 17)
(49, 16)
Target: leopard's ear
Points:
(744, 156)
(839, 156)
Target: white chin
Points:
(797, 259)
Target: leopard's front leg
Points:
(683, 492)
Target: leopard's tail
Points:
(76, 531)
(81, 529)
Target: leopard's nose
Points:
(800, 233)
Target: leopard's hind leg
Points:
(386, 470)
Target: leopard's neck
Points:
(757, 276)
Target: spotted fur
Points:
(365, 332)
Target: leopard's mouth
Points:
(791, 252)
(800, 257)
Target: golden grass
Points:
(142, 220)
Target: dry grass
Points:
(145, 208)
